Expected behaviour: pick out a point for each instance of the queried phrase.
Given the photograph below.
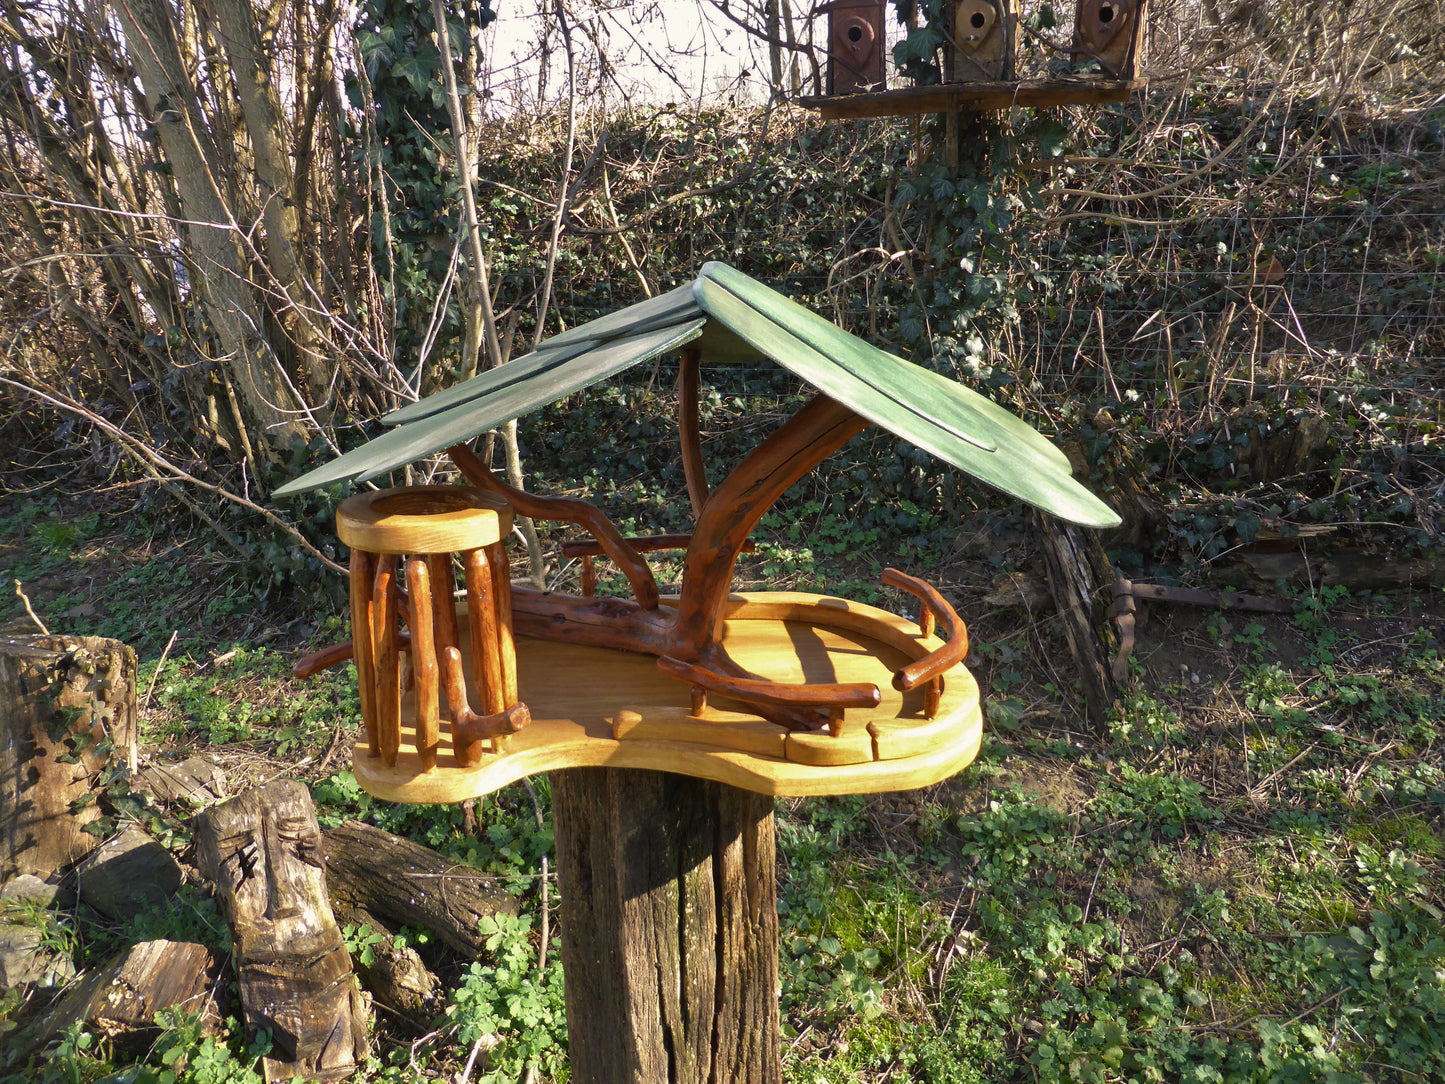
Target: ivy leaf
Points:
(1053, 138)
(1044, 18)
(415, 71)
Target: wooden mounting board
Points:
(598, 707)
(980, 97)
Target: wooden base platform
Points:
(979, 97)
(597, 707)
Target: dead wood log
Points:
(394, 975)
(263, 851)
(1357, 570)
(121, 999)
(407, 884)
(67, 703)
(1081, 580)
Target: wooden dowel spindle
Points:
(502, 596)
(444, 609)
(388, 659)
(423, 661)
(363, 571)
(486, 649)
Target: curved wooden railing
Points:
(758, 691)
(935, 608)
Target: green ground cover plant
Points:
(1223, 299)
(1239, 882)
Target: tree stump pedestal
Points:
(669, 928)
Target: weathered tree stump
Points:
(669, 928)
(263, 851)
(61, 698)
(411, 885)
(1081, 581)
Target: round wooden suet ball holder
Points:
(408, 631)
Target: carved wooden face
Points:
(264, 852)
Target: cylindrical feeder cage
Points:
(406, 625)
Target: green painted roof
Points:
(731, 316)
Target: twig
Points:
(1089, 903)
(466, 1073)
(20, 594)
(545, 932)
(160, 462)
(330, 752)
(145, 706)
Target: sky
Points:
(660, 51)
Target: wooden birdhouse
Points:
(980, 41)
(856, 46)
(1111, 32)
(777, 692)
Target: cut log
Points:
(263, 851)
(669, 929)
(394, 975)
(120, 1001)
(128, 874)
(407, 884)
(1081, 581)
(197, 781)
(67, 703)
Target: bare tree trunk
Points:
(773, 22)
(215, 235)
(480, 294)
(261, 107)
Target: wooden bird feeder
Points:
(981, 68)
(752, 695)
(403, 545)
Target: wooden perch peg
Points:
(468, 728)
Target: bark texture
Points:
(59, 696)
(669, 928)
(1080, 580)
(404, 883)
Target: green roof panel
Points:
(732, 317)
(978, 436)
(535, 364)
(428, 435)
(673, 307)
